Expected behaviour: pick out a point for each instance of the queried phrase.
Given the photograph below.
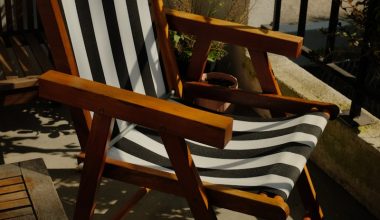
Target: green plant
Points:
(364, 17)
(227, 10)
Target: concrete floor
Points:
(43, 129)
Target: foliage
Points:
(364, 15)
(183, 43)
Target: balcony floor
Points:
(42, 129)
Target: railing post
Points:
(357, 100)
(276, 15)
(333, 23)
(302, 18)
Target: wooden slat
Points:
(14, 204)
(25, 56)
(38, 51)
(9, 15)
(63, 57)
(30, 14)
(43, 195)
(198, 59)
(264, 72)
(9, 63)
(180, 120)
(233, 33)
(93, 165)
(9, 170)
(11, 181)
(171, 69)
(267, 101)
(233, 199)
(188, 177)
(13, 196)
(18, 14)
(12, 188)
(17, 213)
(308, 195)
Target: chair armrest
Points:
(229, 32)
(154, 113)
(268, 101)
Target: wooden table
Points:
(27, 192)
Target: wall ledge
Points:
(351, 156)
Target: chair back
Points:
(114, 43)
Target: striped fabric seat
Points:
(114, 43)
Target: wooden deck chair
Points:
(161, 144)
(23, 51)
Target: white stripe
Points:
(76, 37)
(271, 180)
(240, 125)
(151, 47)
(129, 46)
(298, 137)
(289, 158)
(103, 43)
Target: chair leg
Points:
(93, 166)
(309, 196)
(130, 203)
(188, 176)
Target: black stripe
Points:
(116, 45)
(277, 169)
(303, 128)
(139, 41)
(141, 152)
(147, 155)
(297, 148)
(91, 46)
(279, 119)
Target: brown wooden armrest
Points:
(268, 101)
(161, 115)
(229, 32)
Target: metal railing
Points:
(353, 78)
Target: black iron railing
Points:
(354, 77)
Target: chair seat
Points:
(264, 155)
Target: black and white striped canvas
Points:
(114, 43)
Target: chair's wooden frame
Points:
(108, 103)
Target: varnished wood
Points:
(229, 32)
(93, 165)
(224, 197)
(177, 119)
(267, 101)
(198, 58)
(264, 72)
(169, 118)
(309, 196)
(63, 58)
(127, 206)
(188, 177)
(172, 73)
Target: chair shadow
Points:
(23, 126)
